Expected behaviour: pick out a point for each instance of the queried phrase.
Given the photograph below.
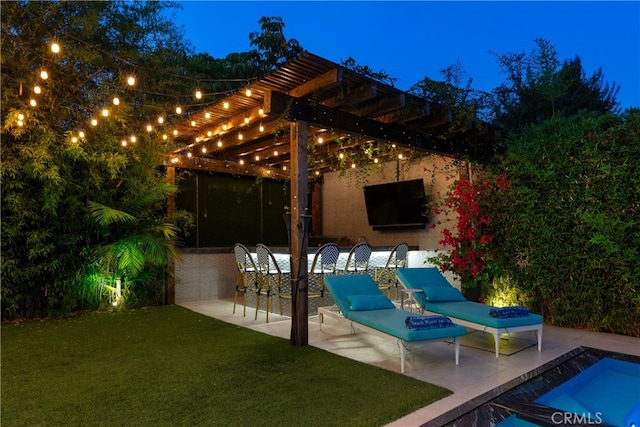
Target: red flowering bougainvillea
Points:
(468, 255)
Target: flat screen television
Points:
(396, 205)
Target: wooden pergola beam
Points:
(222, 166)
(326, 81)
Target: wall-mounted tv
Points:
(396, 205)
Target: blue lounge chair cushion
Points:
(425, 276)
(427, 322)
(479, 313)
(506, 312)
(442, 294)
(369, 302)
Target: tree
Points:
(56, 158)
(273, 47)
(537, 89)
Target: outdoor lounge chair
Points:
(388, 323)
(448, 301)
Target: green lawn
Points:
(167, 366)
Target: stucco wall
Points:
(344, 212)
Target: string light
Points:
(20, 116)
(105, 112)
(160, 119)
(320, 140)
(275, 153)
(257, 158)
(55, 47)
(116, 101)
(246, 120)
(44, 75)
(123, 143)
(219, 143)
(74, 139)
(261, 112)
(198, 94)
(175, 132)
(204, 149)
(164, 137)
(189, 155)
(193, 123)
(353, 165)
(248, 91)
(241, 162)
(133, 138)
(240, 137)
(37, 90)
(225, 105)
(178, 110)
(261, 128)
(32, 102)
(149, 128)
(81, 134)
(209, 133)
(131, 81)
(94, 122)
(207, 115)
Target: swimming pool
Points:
(586, 386)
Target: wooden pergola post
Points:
(299, 238)
(170, 296)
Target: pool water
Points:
(607, 391)
(586, 386)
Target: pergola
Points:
(299, 122)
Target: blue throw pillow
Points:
(369, 302)
(442, 294)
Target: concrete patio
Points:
(479, 370)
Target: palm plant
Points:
(140, 242)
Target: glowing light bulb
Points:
(248, 92)
(261, 111)
(20, 123)
(198, 94)
(116, 101)
(193, 123)
(204, 150)
(33, 102)
(284, 168)
(317, 173)
(94, 122)
(224, 127)
(174, 160)
(81, 134)
(207, 115)
(131, 81)
(149, 128)
(240, 137)
(341, 156)
(375, 160)
(400, 156)
(44, 75)
(257, 157)
(160, 119)
(123, 143)
(105, 112)
(165, 137)
(242, 162)
(353, 165)
(246, 120)
(74, 139)
(133, 138)
(220, 143)
(261, 128)
(320, 140)
(189, 155)
(175, 132)
(55, 47)
(209, 133)
(225, 105)
(20, 116)
(36, 89)
(275, 153)
(178, 110)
